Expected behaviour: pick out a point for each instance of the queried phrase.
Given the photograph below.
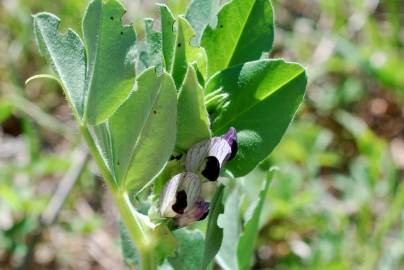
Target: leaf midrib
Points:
(280, 86)
(91, 67)
(141, 135)
(242, 30)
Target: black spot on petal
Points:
(212, 168)
(180, 202)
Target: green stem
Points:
(141, 234)
(135, 222)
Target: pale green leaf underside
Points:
(97, 78)
(200, 13)
(190, 250)
(192, 118)
(67, 56)
(245, 247)
(263, 97)
(110, 70)
(244, 30)
(142, 131)
(230, 222)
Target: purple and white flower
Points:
(181, 197)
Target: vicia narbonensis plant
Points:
(173, 120)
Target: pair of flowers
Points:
(181, 196)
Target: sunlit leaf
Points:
(244, 30)
(262, 99)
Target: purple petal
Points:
(198, 212)
(231, 138)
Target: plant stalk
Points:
(136, 224)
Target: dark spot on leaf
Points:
(121, 32)
(212, 168)
(179, 44)
(112, 17)
(154, 111)
(180, 202)
(117, 163)
(221, 26)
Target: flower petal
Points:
(179, 194)
(231, 138)
(199, 211)
(199, 154)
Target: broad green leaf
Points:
(142, 131)
(186, 53)
(192, 118)
(214, 234)
(231, 224)
(244, 30)
(262, 99)
(129, 251)
(153, 39)
(190, 250)
(200, 13)
(168, 36)
(245, 247)
(67, 56)
(110, 70)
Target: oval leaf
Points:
(263, 97)
(245, 29)
(142, 130)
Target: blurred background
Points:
(336, 203)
